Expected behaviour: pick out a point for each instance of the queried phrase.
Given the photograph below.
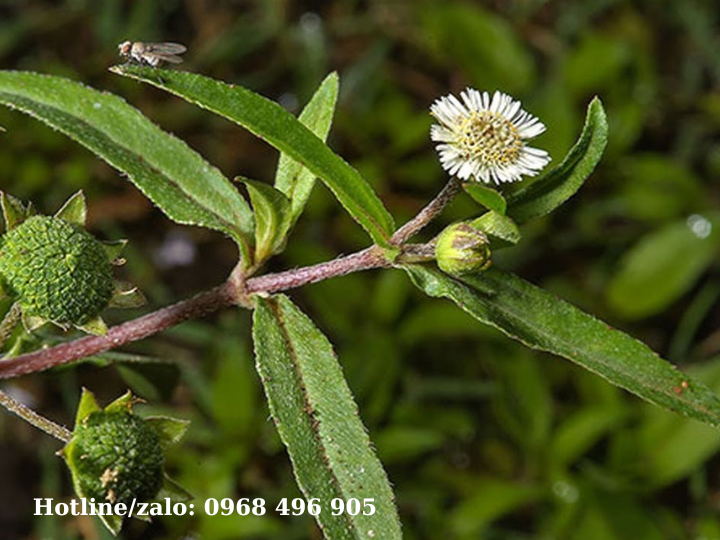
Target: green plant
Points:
(310, 401)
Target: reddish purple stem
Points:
(150, 324)
(230, 293)
(197, 306)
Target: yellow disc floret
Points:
(490, 138)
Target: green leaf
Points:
(122, 404)
(655, 187)
(561, 183)
(32, 322)
(488, 197)
(398, 444)
(95, 326)
(614, 514)
(541, 321)
(318, 421)
(126, 297)
(88, 405)
(279, 128)
(172, 490)
(272, 218)
(485, 45)
(663, 265)
(490, 499)
(112, 522)
(170, 430)
(14, 211)
(581, 430)
(292, 178)
(74, 210)
(176, 178)
(524, 405)
(499, 226)
(609, 56)
(670, 447)
(114, 248)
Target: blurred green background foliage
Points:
(481, 437)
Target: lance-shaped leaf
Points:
(275, 125)
(541, 321)
(561, 183)
(272, 218)
(292, 178)
(318, 421)
(175, 177)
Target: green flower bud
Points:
(462, 249)
(115, 456)
(56, 270)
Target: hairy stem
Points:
(30, 416)
(363, 260)
(427, 214)
(197, 306)
(9, 322)
(226, 295)
(236, 291)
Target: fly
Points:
(151, 54)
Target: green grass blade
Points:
(541, 321)
(279, 128)
(318, 421)
(175, 177)
(561, 183)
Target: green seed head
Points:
(115, 457)
(55, 270)
(462, 249)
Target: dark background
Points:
(481, 437)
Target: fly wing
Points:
(170, 58)
(165, 49)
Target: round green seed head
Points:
(56, 270)
(115, 457)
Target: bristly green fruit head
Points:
(462, 249)
(116, 457)
(56, 270)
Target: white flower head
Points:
(485, 138)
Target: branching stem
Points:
(140, 328)
(427, 214)
(235, 291)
